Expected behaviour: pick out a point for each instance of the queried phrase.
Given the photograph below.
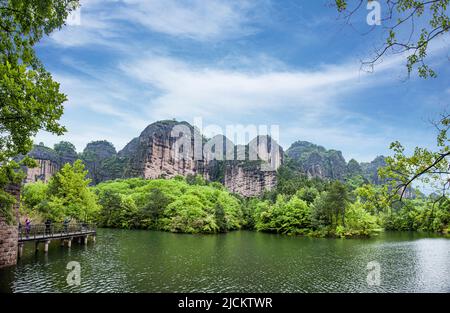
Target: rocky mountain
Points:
(370, 170)
(256, 171)
(166, 149)
(316, 161)
(152, 155)
(48, 160)
(100, 160)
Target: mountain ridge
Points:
(150, 155)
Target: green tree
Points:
(403, 35)
(321, 215)
(30, 99)
(308, 194)
(69, 194)
(156, 203)
(423, 166)
(219, 214)
(359, 222)
(65, 150)
(337, 200)
(285, 217)
(33, 195)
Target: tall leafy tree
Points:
(30, 99)
(69, 195)
(411, 26)
(337, 200)
(430, 167)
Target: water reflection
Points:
(145, 261)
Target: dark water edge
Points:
(242, 261)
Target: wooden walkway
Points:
(46, 233)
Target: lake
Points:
(242, 261)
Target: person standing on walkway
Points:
(27, 227)
(48, 224)
(66, 224)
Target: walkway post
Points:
(46, 246)
(20, 253)
(69, 242)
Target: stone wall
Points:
(8, 245)
(9, 234)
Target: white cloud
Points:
(197, 19)
(191, 90)
(237, 88)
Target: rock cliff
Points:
(257, 172)
(48, 164)
(99, 158)
(168, 148)
(316, 161)
(163, 150)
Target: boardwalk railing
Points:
(54, 231)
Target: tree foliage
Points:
(411, 25)
(30, 98)
(66, 195)
(424, 166)
(189, 205)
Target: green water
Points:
(148, 261)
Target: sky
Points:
(125, 64)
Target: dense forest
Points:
(297, 206)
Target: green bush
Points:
(285, 216)
(66, 195)
(177, 205)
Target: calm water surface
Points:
(148, 261)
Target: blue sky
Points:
(293, 63)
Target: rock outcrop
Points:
(370, 170)
(99, 158)
(167, 149)
(164, 149)
(257, 173)
(316, 161)
(48, 164)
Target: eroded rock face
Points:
(48, 164)
(99, 159)
(43, 172)
(167, 149)
(316, 161)
(370, 170)
(155, 154)
(248, 181)
(252, 177)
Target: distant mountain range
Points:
(316, 161)
(151, 156)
